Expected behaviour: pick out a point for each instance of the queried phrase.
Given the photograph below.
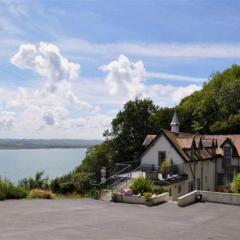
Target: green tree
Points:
(97, 157)
(129, 129)
(215, 108)
(161, 119)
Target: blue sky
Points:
(67, 67)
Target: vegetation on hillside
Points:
(214, 109)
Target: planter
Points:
(135, 199)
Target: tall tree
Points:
(129, 129)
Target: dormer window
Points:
(227, 151)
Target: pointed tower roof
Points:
(175, 120)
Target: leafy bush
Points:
(157, 190)
(9, 191)
(37, 182)
(75, 182)
(235, 185)
(147, 195)
(94, 193)
(39, 193)
(142, 185)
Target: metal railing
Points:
(124, 178)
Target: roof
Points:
(204, 144)
(148, 139)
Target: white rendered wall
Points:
(162, 144)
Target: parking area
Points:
(89, 220)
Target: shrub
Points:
(75, 182)
(39, 193)
(147, 195)
(157, 190)
(235, 185)
(2, 195)
(9, 191)
(37, 182)
(94, 193)
(142, 185)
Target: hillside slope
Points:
(215, 108)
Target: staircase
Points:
(122, 181)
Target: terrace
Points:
(90, 219)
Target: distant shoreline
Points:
(8, 144)
(33, 148)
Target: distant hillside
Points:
(215, 108)
(46, 143)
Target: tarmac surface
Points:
(85, 219)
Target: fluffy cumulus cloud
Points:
(127, 80)
(54, 108)
(125, 77)
(46, 60)
(65, 105)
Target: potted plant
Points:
(166, 168)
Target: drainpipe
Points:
(201, 175)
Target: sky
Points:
(67, 67)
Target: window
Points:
(179, 188)
(161, 157)
(190, 186)
(205, 179)
(220, 178)
(227, 152)
(198, 184)
(227, 155)
(230, 177)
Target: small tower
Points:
(175, 123)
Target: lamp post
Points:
(103, 174)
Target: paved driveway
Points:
(89, 219)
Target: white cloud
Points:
(7, 120)
(161, 49)
(41, 112)
(74, 100)
(167, 76)
(124, 77)
(182, 92)
(126, 80)
(76, 109)
(46, 60)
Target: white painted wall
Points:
(162, 144)
(205, 171)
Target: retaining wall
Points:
(217, 197)
(187, 199)
(208, 196)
